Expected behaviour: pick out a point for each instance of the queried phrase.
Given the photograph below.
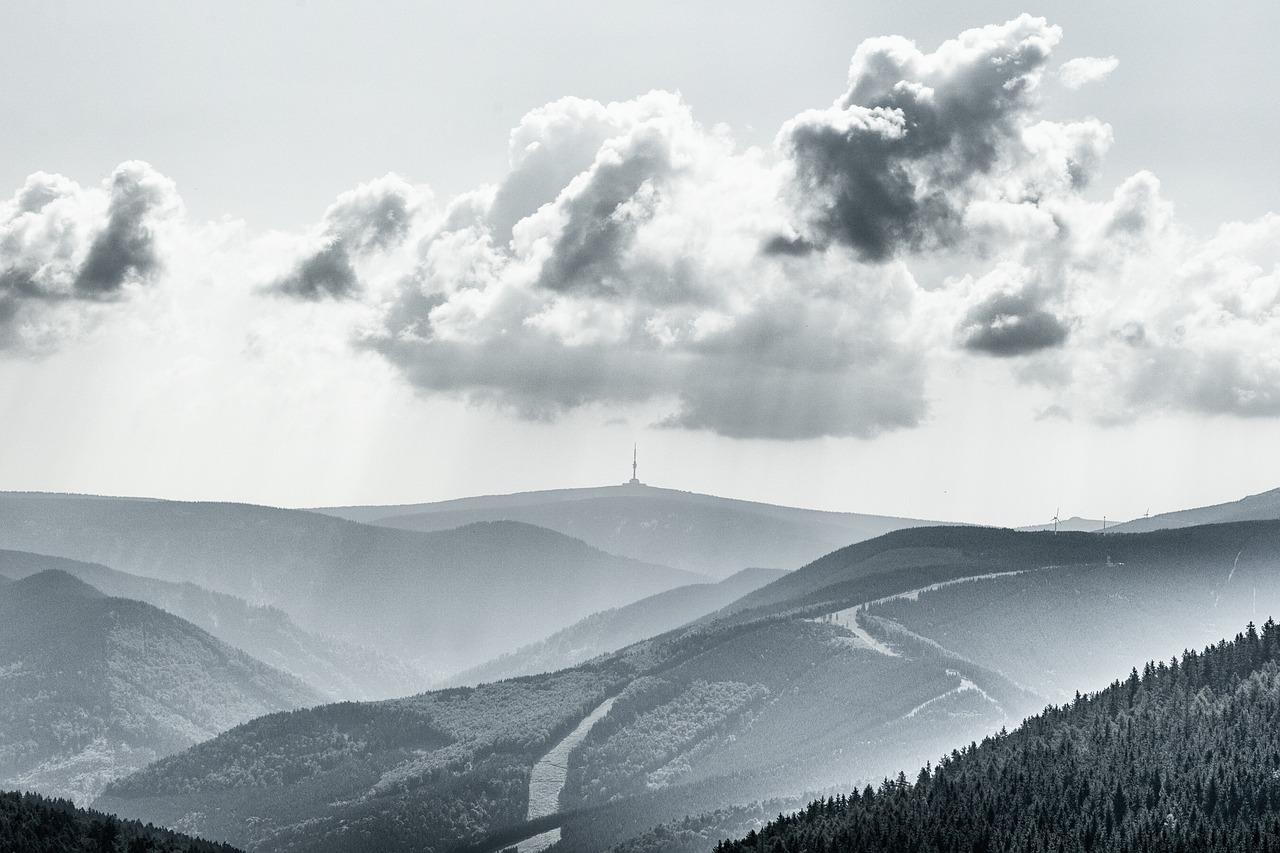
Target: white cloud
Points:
(635, 259)
(1083, 70)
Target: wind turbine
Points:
(1055, 520)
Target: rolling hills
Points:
(839, 673)
(1260, 507)
(443, 601)
(338, 670)
(710, 535)
(92, 687)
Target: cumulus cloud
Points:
(640, 278)
(64, 248)
(374, 217)
(1083, 70)
(891, 166)
(635, 259)
(634, 256)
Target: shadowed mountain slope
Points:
(338, 670)
(93, 687)
(443, 600)
(610, 630)
(711, 535)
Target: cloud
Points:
(1012, 323)
(633, 257)
(641, 280)
(1083, 70)
(890, 167)
(374, 217)
(636, 261)
(64, 249)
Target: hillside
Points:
(610, 630)
(1260, 507)
(710, 535)
(30, 823)
(338, 670)
(834, 675)
(444, 600)
(95, 687)
(1183, 757)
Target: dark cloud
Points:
(58, 253)
(374, 217)
(125, 249)
(780, 244)
(891, 166)
(1011, 324)
(602, 215)
(326, 274)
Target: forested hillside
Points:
(444, 601)
(702, 533)
(337, 669)
(1185, 756)
(93, 687)
(30, 823)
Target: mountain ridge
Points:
(702, 533)
(96, 686)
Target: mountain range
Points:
(701, 533)
(336, 669)
(443, 601)
(92, 686)
(610, 630)
(878, 657)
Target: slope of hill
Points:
(1183, 757)
(815, 680)
(338, 670)
(1260, 507)
(710, 535)
(444, 600)
(610, 630)
(93, 687)
(1074, 524)
(30, 823)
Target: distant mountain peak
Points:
(55, 582)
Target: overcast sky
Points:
(970, 261)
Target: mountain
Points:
(93, 687)
(610, 630)
(444, 601)
(338, 670)
(710, 535)
(30, 823)
(1074, 524)
(1260, 507)
(1179, 758)
(874, 659)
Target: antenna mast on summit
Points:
(633, 481)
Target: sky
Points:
(966, 261)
